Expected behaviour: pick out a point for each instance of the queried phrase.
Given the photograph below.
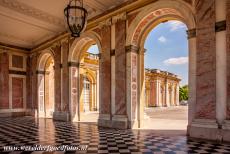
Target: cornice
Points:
(14, 48)
(30, 11)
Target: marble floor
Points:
(88, 138)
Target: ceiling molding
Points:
(30, 11)
(13, 48)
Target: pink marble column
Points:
(4, 81)
(65, 77)
(206, 60)
(204, 124)
(228, 59)
(57, 78)
(105, 78)
(120, 66)
(34, 83)
(28, 83)
(105, 71)
(153, 94)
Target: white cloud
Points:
(162, 39)
(175, 25)
(176, 61)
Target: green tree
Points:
(183, 93)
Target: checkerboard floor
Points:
(30, 132)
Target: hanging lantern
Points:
(76, 17)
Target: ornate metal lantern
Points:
(76, 17)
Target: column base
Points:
(120, 122)
(104, 120)
(205, 129)
(226, 130)
(61, 116)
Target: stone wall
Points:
(13, 83)
(4, 80)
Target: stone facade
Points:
(161, 88)
(120, 37)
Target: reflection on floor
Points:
(29, 131)
(90, 117)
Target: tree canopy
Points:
(183, 93)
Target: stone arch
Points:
(45, 85)
(91, 76)
(81, 44)
(154, 14)
(146, 20)
(44, 56)
(77, 49)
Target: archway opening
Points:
(166, 77)
(46, 86)
(89, 85)
(84, 77)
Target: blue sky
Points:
(93, 49)
(167, 49)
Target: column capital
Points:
(112, 52)
(105, 23)
(132, 48)
(191, 33)
(119, 17)
(73, 64)
(40, 72)
(220, 26)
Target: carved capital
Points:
(191, 33)
(73, 64)
(112, 52)
(105, 23)
(132, 48)
(64, 40)
(119, 17)
(220, 26)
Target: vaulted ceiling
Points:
(27, 23)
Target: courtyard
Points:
(168, 120)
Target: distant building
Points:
(161, 88)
